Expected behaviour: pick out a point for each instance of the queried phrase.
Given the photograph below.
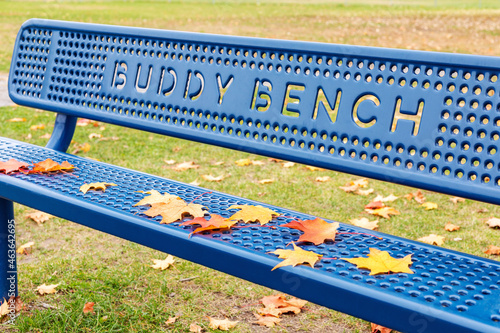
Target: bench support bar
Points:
(64, 128)
(8, 266)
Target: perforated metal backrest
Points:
(428, 120)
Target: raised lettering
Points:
(223, 87)
(291, 98)
(405, 115)
(121, 76)
(142, 89)
(261, 95)
(370, 122)
(331, 109)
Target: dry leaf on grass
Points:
(95, 136)
(95, 186)
(380, 329)
(384, 212)
(266, 181)
(288, 164)
(25, 248)
(185, 166)
(211, 178)
(493, 222)
(249, 213)
(223, 325)
(276, 305)
(492, 250)
(418, 196)
(381, 262)
(268, 321)
(451, 227)
(4, 308)
(89, 307)
(375, 205)
(295, 257)
(243, 162)
(81, 148)
(391, 197)
(364, 192)
(17, 120)
(50, 289)
(45, 136)
(457, 200)
(322, 179)
(195, 182)
(163, 264)
(13, 303)
(432, 239)
(365, 223)
(349, 188)
(169, 162)
(316, 231)
(218, 163)
(37, 127)
(171, 320)
(194, 328)
(313, 168)
(429, 205)
(39, 217)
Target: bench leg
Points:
(8, 265)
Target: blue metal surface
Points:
(8, 264)
(428, 120)
(450, 291)
(64, 128)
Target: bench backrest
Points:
(429, 120)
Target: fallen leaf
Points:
(418, 196)
(365, 223)
(364, 192)
(194, 328)
(25, 248)
(175, 210)
(316, 231)
(275, 160)
(249, 213)
(493, 222)
(89, 307)
(389, 198)
(492, 250)
(349, 188)
(185, 166)
(215, 222)
(457, 200)
(429, 205)
(156, 197)
(81, 148)
(171, 320)
(37, 127)
(17, 120)
(375, 205)
(4, 308)
(380, 329)
(313, 168)
(95, 136)
(39, 217)
(451, 227)
(276, 305)
(95, 186)
(195, 182)
(49, 165)
(362, 182)
(211, 178)
(45, 136)
(432, 239)
(482, 210)
(266, 181)
(268, 321)
(13, 165)
(163, 264)
(384, 212)
(218, 163)
(50, 289)
(296, 257)
(258, 163)
(322, 179)
(288, 164)
(243, 162)
(381, 262)
(223, 325)
(169, 162)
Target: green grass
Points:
(115, 274)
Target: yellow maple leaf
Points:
(175, 210)
(249, 213)
(429, 205)
(185, 166)
(163, 264)
(381, 262)
(39, 217)
(432, 239)
(95, 186)
(50, 289)
(4, 308)
(266, 181)
(385, 212)
(25, 248)
(365, 223)
(37, 127)
(296, 257)
(243, 162)
(156, 197)
(223, 325)
(389, 198)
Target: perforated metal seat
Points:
(421, 119)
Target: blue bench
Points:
(427, 120)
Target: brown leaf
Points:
(163, 264)
(81, 148)
(13, 165)
(375, 205)
(349, 188)
(268, 321)
(89, 307)
(380, 329)
(95, 186)
(16, 120)
(194, 328)
(215, 222)
(418, 196)
(243, 162)
(266, 181)
(39, 217)
(45, 136)
(185, 166)
(25, 248)
(223, 325)
(211, 178)
(493, 222)
(249, 213)
(322, 179)
(313, 168)
(381, 262)
(316, 231)
(492, 250)
(365, 223)
(451, 227)
(457, 200)
(44, 289)
(295, 257)
(171, 320)
(432, 239)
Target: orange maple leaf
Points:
(492, 250)
(451, 227)
(89, 307)
(296, 257)
(51, 166)
(175, 210)
(385, 212)
(381, 262)
(13, 165)
(315, 231)
(215, 222)
(380, 329)
(249, 213)
(276, 305)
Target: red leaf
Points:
(13, 165)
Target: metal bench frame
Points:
(422, 119)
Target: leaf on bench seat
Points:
(13, 165)
(296, 257)
(95, 186)
(215, 222)
(249, 213)
(175, 210)
(49, 165)
(316, 231)
(156, 197)
(381, 262)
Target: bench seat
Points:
(450, 291)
